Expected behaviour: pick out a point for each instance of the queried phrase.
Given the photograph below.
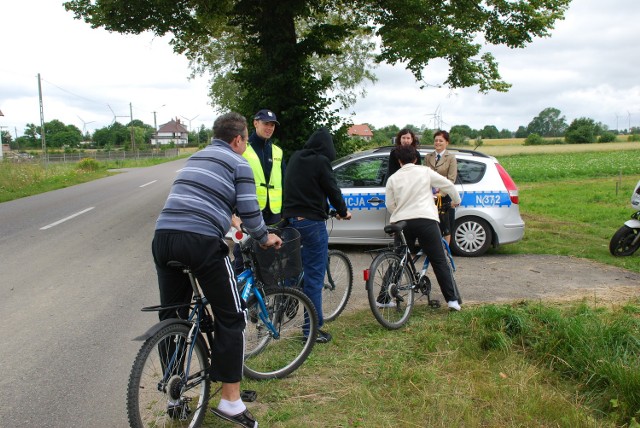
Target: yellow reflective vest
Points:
(271, 191)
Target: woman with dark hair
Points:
(404, 137)
(445, 164)
(408, 201)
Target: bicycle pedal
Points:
(434, 303)
(248, 395)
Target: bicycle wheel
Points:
(338, 282)
(168, 386)
(279, 340)
(390, 291)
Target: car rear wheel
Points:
(472, 237)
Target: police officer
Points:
(267, 162)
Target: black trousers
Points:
(430, 239)
(208, 258)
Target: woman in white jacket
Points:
(409, 198)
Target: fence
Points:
(102, 156)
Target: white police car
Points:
(489, 214)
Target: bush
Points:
(88, 164)
(607, 137)
(534, 140)
(634, 137)
(459, 140)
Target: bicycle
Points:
(338, 279)
(169, 382)
(392, 280)
(338, 282)
(282, 321)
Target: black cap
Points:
(266, 116)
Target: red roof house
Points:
(360, 131)
(172, 131)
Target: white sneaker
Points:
(390, 304)
(454, 305)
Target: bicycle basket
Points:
(275, 266)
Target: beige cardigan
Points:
(409, 194)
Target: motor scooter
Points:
(626, 240)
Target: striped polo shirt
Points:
(214, 183)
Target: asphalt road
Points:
(75, 267)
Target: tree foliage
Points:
(582, 131)
(521, 132)
(490, 132)
(6, 137)
(304, 59)
(464, 130)
(549, 123)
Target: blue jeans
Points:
(315, 252)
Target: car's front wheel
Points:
(472, 237)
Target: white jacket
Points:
(409, 194)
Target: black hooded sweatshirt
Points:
(309, 180)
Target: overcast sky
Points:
(589, 67)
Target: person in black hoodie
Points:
(308, 182)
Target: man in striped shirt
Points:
(214, 183)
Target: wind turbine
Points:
(84, 125)
(190, 125)
(189, 120)
(436, 118)
(115, 117)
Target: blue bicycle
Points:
(393, 279)
(282, 323)
(169, 383)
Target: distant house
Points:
(360, 131)
(171, 132)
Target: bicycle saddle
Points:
(395, 227)
(177, 265)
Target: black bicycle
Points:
(393, 279)
(338, 282)
(169, 383)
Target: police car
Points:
(489, 214)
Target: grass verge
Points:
(572, 204)
(18, 180)
(521, 365)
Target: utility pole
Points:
(44, 141)
(1, 155)
(133, 141)
(155, 124)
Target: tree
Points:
(490, 132)
(505, 133)
(582, 131)
(57, 134)
(115, 134)
(383, 136)
(464, 130)
(522, 132)
(549, 123)
(6, 138)
(204, 135)
(304, 59)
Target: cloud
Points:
(587, 68)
